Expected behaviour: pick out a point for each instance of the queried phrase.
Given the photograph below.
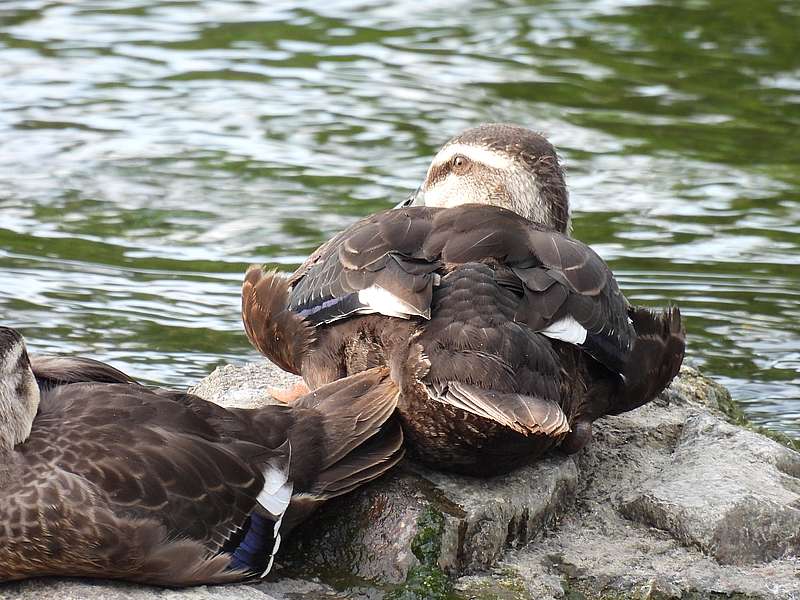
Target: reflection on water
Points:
(150, 151)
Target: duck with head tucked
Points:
(505, 336)
(103, 477)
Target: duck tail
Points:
(361, 439)
(275, 331)
(336, 438)
(655, 359)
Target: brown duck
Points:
(102, 477)
(504, 336)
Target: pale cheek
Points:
(33, 393)
(447, 193)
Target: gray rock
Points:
(668, 501)
(49, 589)
(676, 455)
(245, 386)
(730, 492)
(505, 584)
(371, 534)
(490, 515)
(80, 589)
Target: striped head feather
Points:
(19, 393)
(503, 165)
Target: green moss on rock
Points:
(426, 581)
(502, 584)
(590, 590)
(427, 544)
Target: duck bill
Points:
(417, 198)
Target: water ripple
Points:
(152, 149)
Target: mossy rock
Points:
(427, 580)
(500, 584)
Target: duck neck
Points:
(19, 402)
(540, 195)
(559, 213)
(551, 206)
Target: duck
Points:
(101, 476)
(505, 336)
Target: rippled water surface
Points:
(150, 150)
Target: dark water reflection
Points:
(153, 149)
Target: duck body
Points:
(505, 338)
(117, 480)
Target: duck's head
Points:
(499, 164)
(19, 393)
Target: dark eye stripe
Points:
(21, 390)
(438, 173)
(22, 361)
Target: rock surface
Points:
(79, 589)
(669, 501)
(745, 511)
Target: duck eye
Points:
(459, 162)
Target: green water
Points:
(150, 150)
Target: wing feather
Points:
(526, 414)
(403, 253)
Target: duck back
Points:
(491, 397)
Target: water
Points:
(152, 149)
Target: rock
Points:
(659, 506)
(692, 387)
(371, 534)
(740, 511)
(48, 589)
(668, 501)
(508, 511)
(244, 386)
(679, 456)
(79, 589)
(504, 584)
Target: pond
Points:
(152, 149)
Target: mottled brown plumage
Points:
(116, 480)
(511, 336)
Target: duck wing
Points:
(56, 524)
(355, 438)
(572, 296)
(146, 452)
(127, 483)
(328, 426)
(389, 264)
(569, 293)
(375, 266)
